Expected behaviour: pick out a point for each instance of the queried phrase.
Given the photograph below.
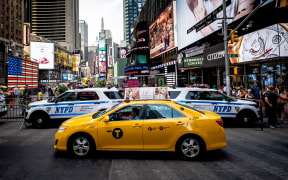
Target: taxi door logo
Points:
(117, 133)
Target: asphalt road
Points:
(250, 154)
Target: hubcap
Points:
(39, 121)
(81, 146)
(246, 119)
(190, 147)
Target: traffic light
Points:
(281, 3)
(234, 36)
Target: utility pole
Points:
(227, 71)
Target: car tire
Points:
(247, 118)
(40, 120)
(81, 145)
(190, 147)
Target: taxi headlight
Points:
(62, 128)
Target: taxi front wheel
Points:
(190, 147)
(81, 145)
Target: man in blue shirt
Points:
(256, 91)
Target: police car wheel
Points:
(40, 120)
(246, 117)
(190, 147)
(81, 145)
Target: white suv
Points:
(3, 106)
(70, 104)
(212, 100)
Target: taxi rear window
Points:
(113, 95)
(174, 94)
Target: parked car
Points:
(70, 104)
(212, 100)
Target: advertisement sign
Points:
(137, 70)
(199, 18)
(102, 67)
(102, 46)
(65, 76)
(266, 43)
(196, 61)
(162, 32)
(109, 73)
(43, 53)
(146, 93)
(76, 61)
(22, 72)
(70, 77)
(214, 56)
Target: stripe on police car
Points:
(206, 102)
(62, 104)
(75, 114)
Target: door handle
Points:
(214, 103)
(136, 125)
(70, 104)
(180, 123)
(96, 103)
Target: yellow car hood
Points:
(79, 120)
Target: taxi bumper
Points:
(216, 141)
(60, 142)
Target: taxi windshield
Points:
(100, 113)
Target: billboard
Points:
(199, 18)
(266, 43)
(76, 61)
(102, 67)
(65, 76)
(43, 53)
(162, 32)
(102, 46)
(22, 72)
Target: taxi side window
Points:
(87, 96)
(158, 111)
(127, 113)
(68, 96)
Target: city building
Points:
(131, 10)
(93, 61)
(57, 20)
(11, 33)
(83, 29)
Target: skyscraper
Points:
(57, 20)
(131, 9)
(83, 29)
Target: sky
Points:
(111, 10)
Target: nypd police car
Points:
(212, 100)
(70, 104)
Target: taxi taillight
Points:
(220, 122)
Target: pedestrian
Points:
(16, 92)
(249, 95)
(9, 98)
(256, 91)
(233, 92)
(40, 95)
(220, 89)
(271, 106)
(282, 102)
(50, 92)
(27, 95)
(242, 93)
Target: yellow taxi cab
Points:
(143, 125)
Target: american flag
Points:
(22, 72)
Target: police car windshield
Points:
(100, 113)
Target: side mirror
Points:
(105, 119)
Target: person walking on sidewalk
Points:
(283, 105)
(256, 91)
(271, 106)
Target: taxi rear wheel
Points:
(40, 120)
(81, 145)
(190, 147)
